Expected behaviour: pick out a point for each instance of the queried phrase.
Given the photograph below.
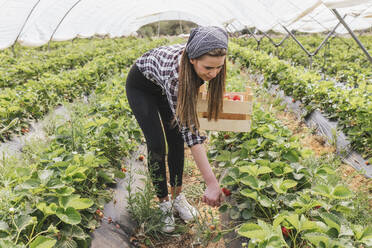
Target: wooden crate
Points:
(235, 117)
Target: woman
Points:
(162, 89)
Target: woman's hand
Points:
(213, 195)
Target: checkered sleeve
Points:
(190, 138)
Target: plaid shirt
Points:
(160, 65)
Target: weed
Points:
(144, 209)
(206, 228)
(189, 167)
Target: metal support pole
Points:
(23, 26)
(299, 43)
(326, 38)
(273, 42)
(352, 34)
(281, 42)
(252, 34)
(59, 24)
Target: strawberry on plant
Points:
(141, 157)
(99, 213)
(285, 231)
(317, 207)
(25, 130)
(293, 100)
(226, 191)
(226, 136)
(123, 169)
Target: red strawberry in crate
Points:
(236, 98)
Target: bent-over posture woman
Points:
(162, 89)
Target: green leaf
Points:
(341, 192)
(69, 216)
(234, 172)
(65, 191)
(252, 231)
(265, 201)
(294, 220)
(306, 224)
(358, 231)
(323, 190)
(252, 182)
(276, 182)
(81, 203)
(331, 220)
(4, 226)
(66, 243)
(9, 244)
(234, 213)
(31, 184)
(278, 219)
(264, 170)
(224, 156)
(74, 231)
(43, 242)
(228, 180)
(317, 238)
(250, 169)
(47, 210)
(247, 214)
(223, 208)
(24, 221)
(367, 233)
(22, 171)
(249, 193)
(291, 156)
(45, 175)
(75, 201)
(275, 241)
(270, 136)
(55, 183)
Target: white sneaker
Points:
(185, 210)
(168, 219)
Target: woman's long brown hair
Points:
(188, 90)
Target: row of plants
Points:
(341, 58)
(20, 105)
(280, 195)
(351, 108)
(35, 64)
(53, 194)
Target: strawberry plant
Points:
(350, 107)
(277, 200)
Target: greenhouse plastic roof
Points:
(35, 22)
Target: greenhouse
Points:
(241, 123)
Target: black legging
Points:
(147, 102)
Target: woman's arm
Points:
(213, 194)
